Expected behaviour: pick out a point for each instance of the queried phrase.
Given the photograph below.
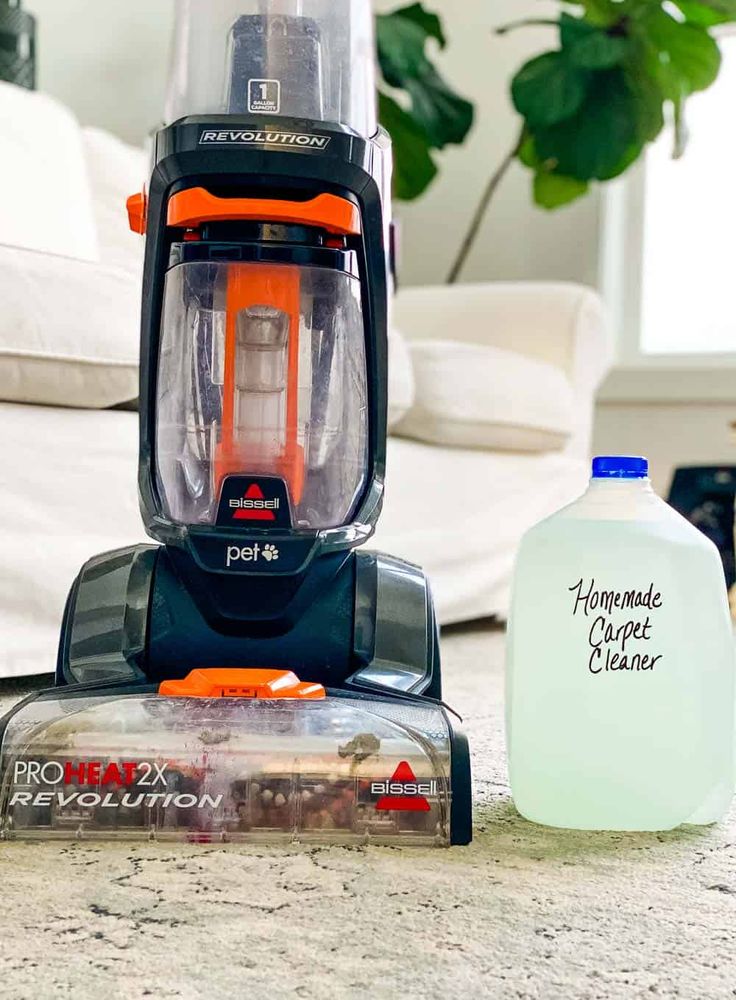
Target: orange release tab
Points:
(137, 211)
(196, 206)
(234, 683)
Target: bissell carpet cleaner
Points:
(256, 675)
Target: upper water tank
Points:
(311, 59)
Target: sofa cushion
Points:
(90, 473)
(116, 170)
(45, 201)
(477, 396)
(69, 331)
(400, 378)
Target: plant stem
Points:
(540, 22)
(480, 212)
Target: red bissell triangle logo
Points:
(255, 507)
(403, 793)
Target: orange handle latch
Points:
(234, 683)
(192, 208)
(137, 212)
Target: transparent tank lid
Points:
(297, 58)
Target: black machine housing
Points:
(354, 621)
(347, 619)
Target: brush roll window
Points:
(144, 767)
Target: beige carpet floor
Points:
(525, 912)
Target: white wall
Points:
(108, 60)
(518, 241)
(669, 434)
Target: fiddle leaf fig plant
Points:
(430, 116)
(589, 106)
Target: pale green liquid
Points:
(596, 747)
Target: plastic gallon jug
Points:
(621, 659)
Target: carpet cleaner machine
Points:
(255, 676)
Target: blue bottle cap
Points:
(620, 467)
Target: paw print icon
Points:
(270, 553)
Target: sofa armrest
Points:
(561, 324)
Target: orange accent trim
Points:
(233, 683)
(277, 285)
(195, 206)
(137, 212)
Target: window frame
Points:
(669, 375)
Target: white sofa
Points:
(492, 404)
(461, 512)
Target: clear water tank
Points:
(310, 59)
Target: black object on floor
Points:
(706, 497)
(17, 45)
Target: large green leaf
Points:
(401, 49)
(590, 109)
(708, 13)
(589, 46)
(444, 115)
(548, 89)
(554, 190)
(427, 21)
(631, 155)
(685, 50)
(436, 109)
(597, 140)
(667, 82)
(600, 12)
(648, 94)
(527, 154)
(414, 168)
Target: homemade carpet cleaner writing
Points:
(610, 642)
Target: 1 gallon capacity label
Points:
(618, 622)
